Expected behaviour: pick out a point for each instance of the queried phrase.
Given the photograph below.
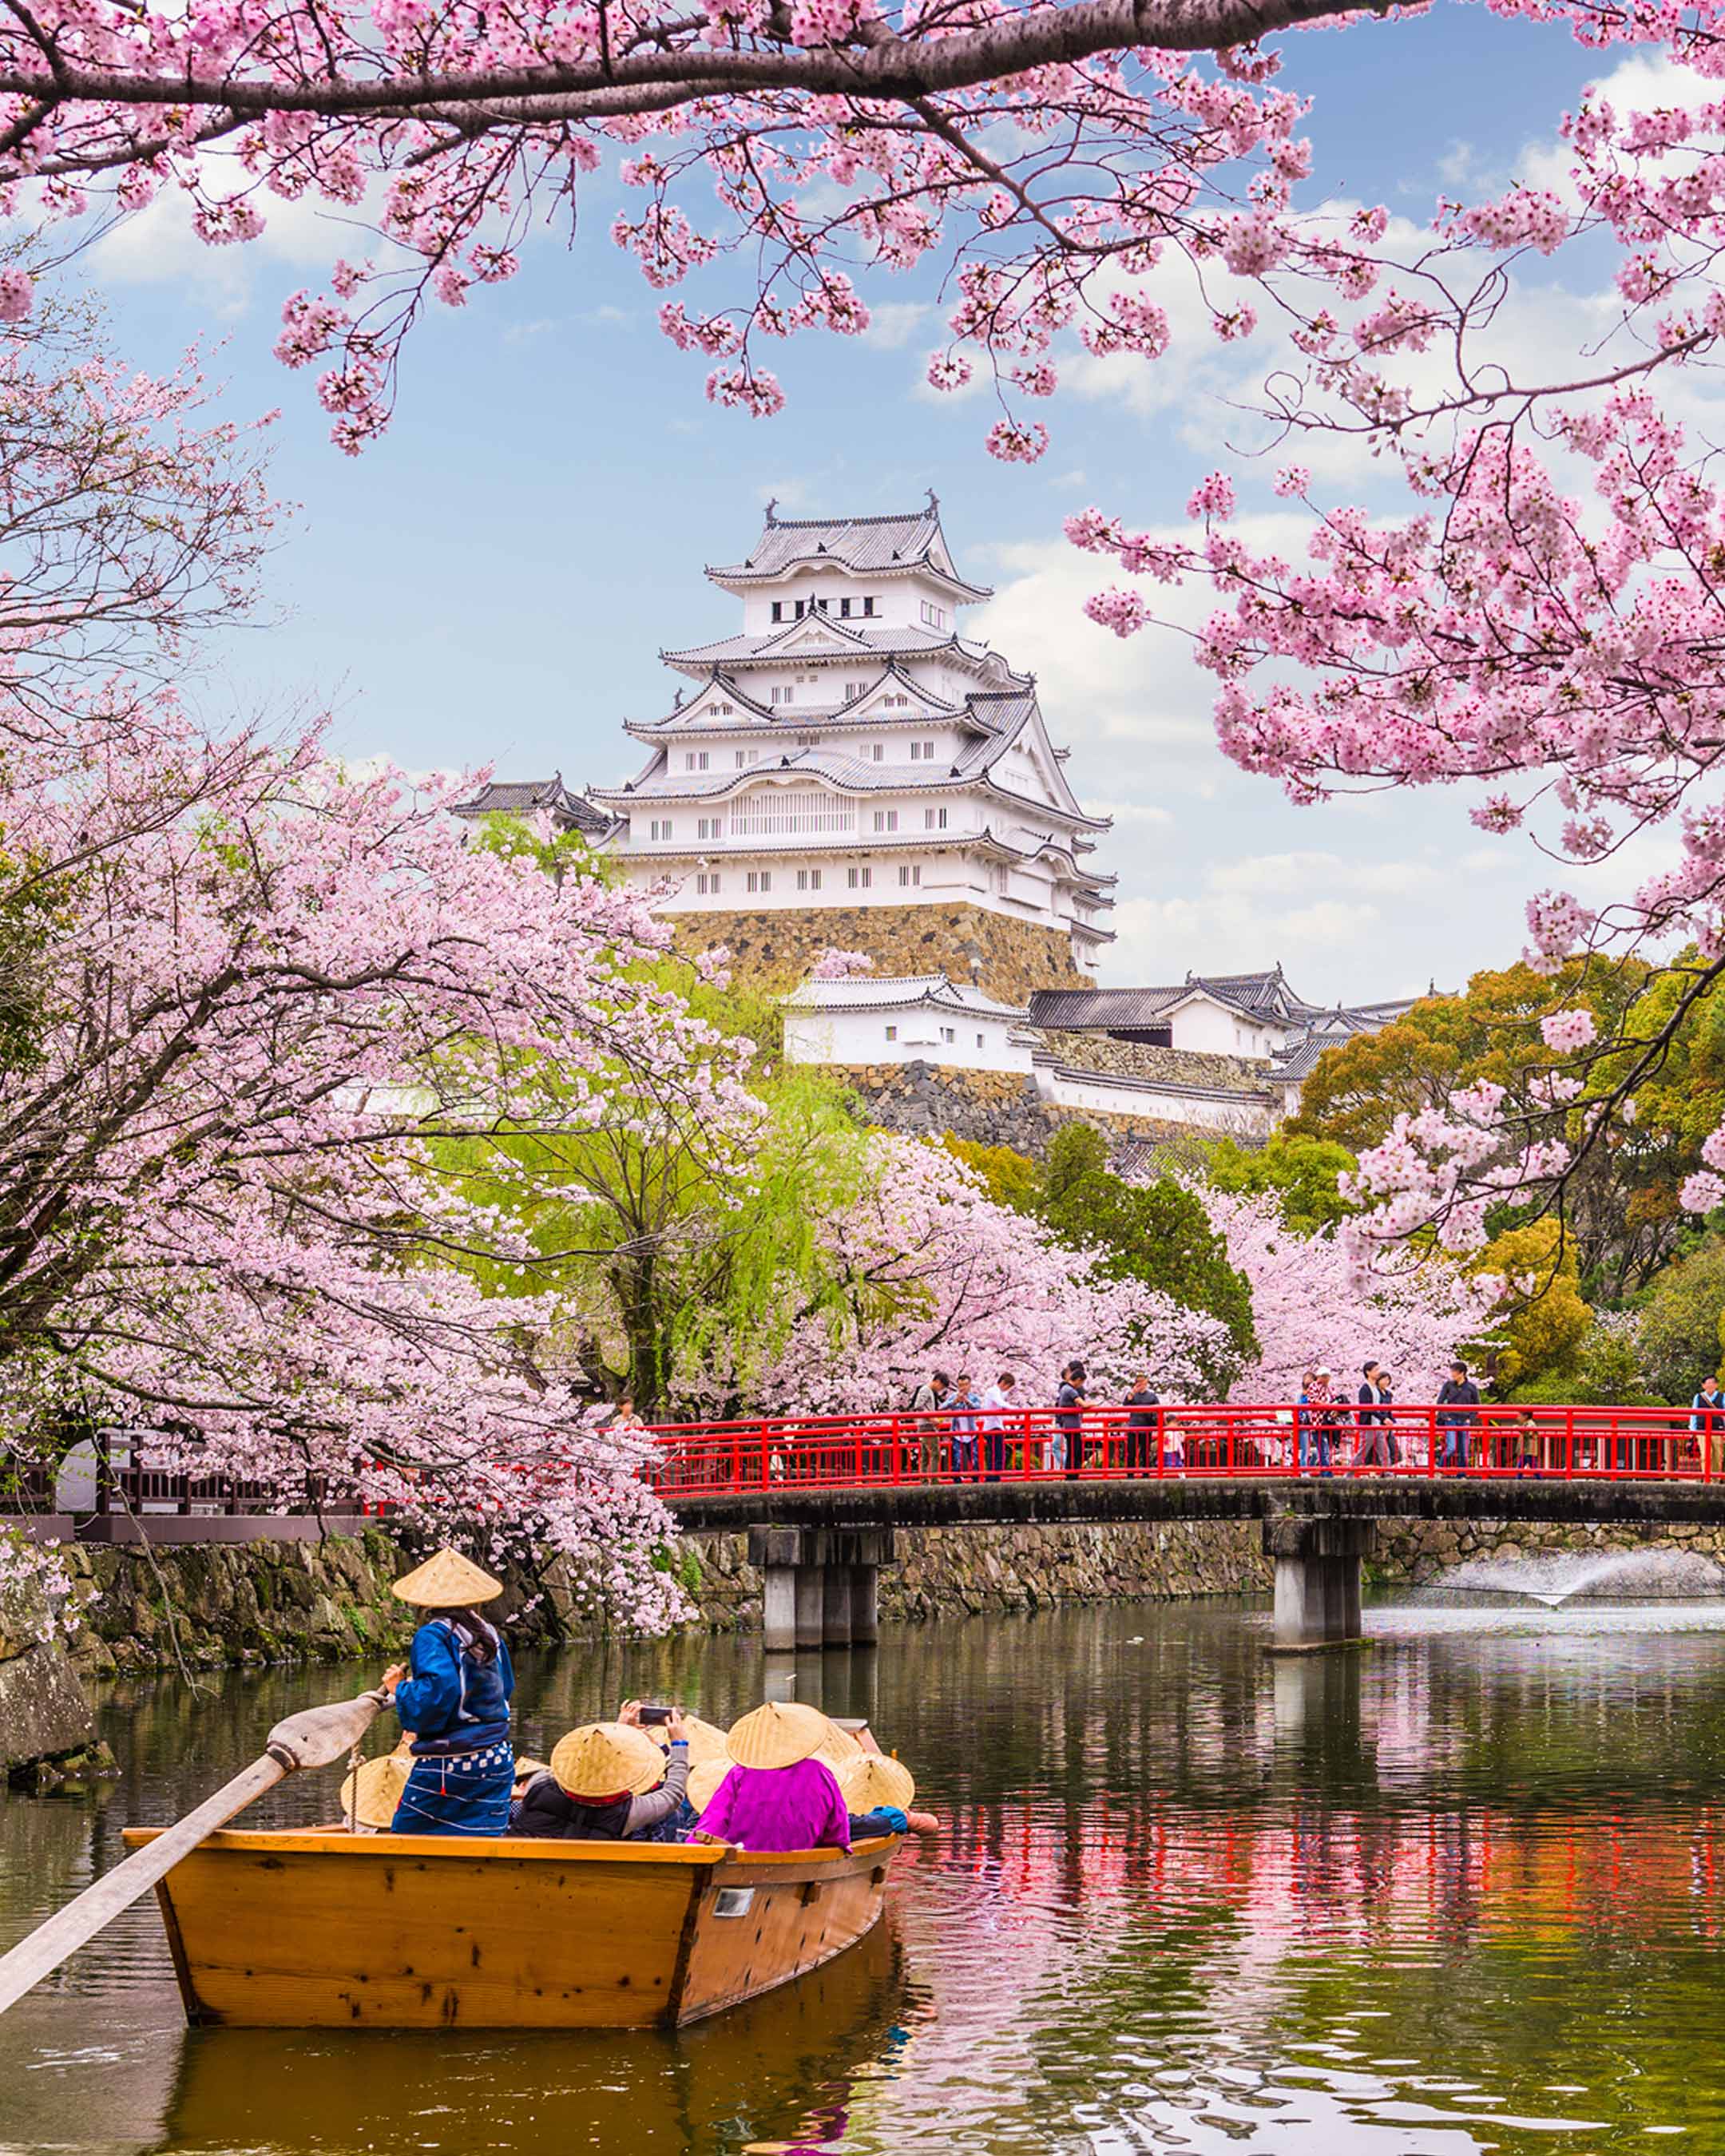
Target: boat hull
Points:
(323, 1929)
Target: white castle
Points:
(849, 769)
(848, 747)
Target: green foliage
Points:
(1010, 1178)
(1607, 1372)
(682, 1256)
(1680, 1333)
(1300, 1172)
(1157, 1234)
(564, 853)
(1541, 1320)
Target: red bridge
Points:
(700, 1461)
(821, 1495)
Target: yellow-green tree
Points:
(1538, 1325)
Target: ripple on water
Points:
(1466, 1892)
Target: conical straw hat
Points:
(526, 1769)
(372, 1792)
(705, 1743)
(704, 1782)
(777, 1735)
(447, 1581)
(604, 1758)
(839, 1746)
(870, 1779)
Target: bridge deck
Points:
(1097, 1500)
(1230, 1462)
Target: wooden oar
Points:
(318, 1737)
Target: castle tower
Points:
(848, 769)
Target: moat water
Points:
(1464, 1893)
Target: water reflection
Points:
(1465, 1891)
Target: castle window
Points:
(695, 760)
(892, 1032)
(725, 710)
(910, 872)
(785, 696)
(886, 819)
(843, 609)
(706, 886)
(853, 690)
(740, 759)
(801, 603)
(898, 704)
(948, 1034)
(861, 879)
(760, 880)
(933, 616)
(980, 1042)
(868, 606)
(877, 750)
(661, 827)
(934, 819)
(709, 827)
(778, 609)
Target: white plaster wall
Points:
(1158, 1104)
(854, 1037)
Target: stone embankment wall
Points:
(987, 1107)
(1007, 958)
(1412, 1551)
(267, 1602)
(43, 1714)
(964, 1571)
(209, 1606)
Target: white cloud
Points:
(895, 323)
(158, 245)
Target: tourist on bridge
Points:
(1141, 1426)
(1373, 1449)
(997, 1405)
(964, 1401)
(455, 1703)
(928, 1398)
(1318, 1419)
(1069, 1420)
(1460, 1397)
(1708, 1421)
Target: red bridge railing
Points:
(1231, 1443)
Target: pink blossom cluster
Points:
(928, 1270)
(1317, 1297)
(835, 965)
(1567, 1031)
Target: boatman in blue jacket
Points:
(455, 1705)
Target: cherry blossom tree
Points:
(1311, 1302)
(923, 1268)
(1536, 616)
(262, 1016)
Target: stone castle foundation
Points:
(1006, 958)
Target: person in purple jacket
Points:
(777, 1795)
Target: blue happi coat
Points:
(456, 1706)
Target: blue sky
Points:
(493, 582)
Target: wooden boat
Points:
(757, 2073)
(321, 1928)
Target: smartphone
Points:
(653, 1717)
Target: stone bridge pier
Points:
(821, 1586)
(1318, 1580)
